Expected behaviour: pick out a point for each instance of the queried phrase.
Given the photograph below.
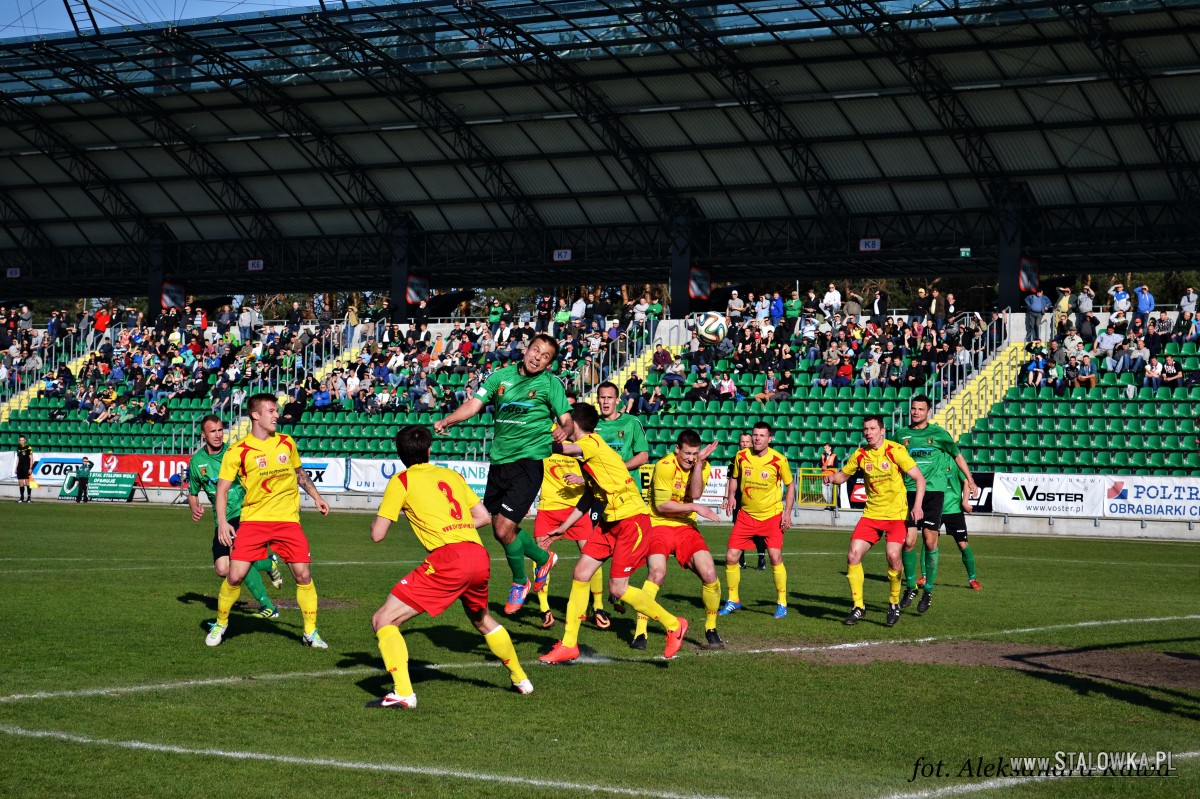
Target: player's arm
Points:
(559, 433)
(479, 515)
(197, 508)
(789, 502)
(578, 512)
(379, 528)
(837, 478)
(463, 412)
(641, 448)
(568, 448)
(969, 486)
(305, 482)
(225, 530)
(639, 459)
(918, 501)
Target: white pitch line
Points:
(393, 768)
(999, 782)
(591, 659)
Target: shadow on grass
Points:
(1169, 701)
(240, 622)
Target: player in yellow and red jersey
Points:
(558, 498)
(883, 464)
(763, 473)
(444, 513)
(623, 535)
(679, 480)
(268, 466)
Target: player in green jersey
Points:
(203, 470)
(621, 431)
(954, 519)
(528, 399)
(935, 453)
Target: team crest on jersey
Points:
(500, 391)
(678, 485)
(204, 470)
(261, 461)
(885, 465)
(531, 394)
(870, 467)
(620, 434)
(282, 457)
(764, 474)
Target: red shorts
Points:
(746, 528)
(626, 541)
(286, 538)
(870, 530)
(549, 520)
(682, 541)
(450, 572)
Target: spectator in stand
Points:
(1036, 306)
(734, 308)
(1120, 301)
(1187, 303)
(917, 376)
(1069, 378)
(1152, 373)
(1172, 373)
(700, 390)
(852, 303)
(1085, 300)
(762, 309)
(674, 374)
(1145, 305)
(661, 359)
(1108, 343)
(831, 303)
(777, 309)
(1135, 358)
(811, 306)
(918, 310)
(937, 310)
(845, 372)
(1186, 328)
(868, 373)
(726, 388)
(651, 403)
(1088, 327)
(897, 371)
(1035, 370)
(879, 307)
(792, 310)
(1062, 305)
(1161, 328)
(631, 393)
(826, 373)
(322, 399)
(785, 386)
(770, 386)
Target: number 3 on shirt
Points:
(455, 507)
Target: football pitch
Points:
(1079, 647)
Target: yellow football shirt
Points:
(267, 470)
(883, 471)
(610, 479)
(762, 476)
(437, 502)
(556, 492)
(670, 484)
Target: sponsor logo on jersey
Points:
(261, 461)
(282, 457)
(885, 465)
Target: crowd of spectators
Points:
(1134, 339)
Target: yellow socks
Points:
(643, 621)
(642, 602)
(780, 574)
(596, 584)
(576, 610)
(711, 594)
(225, 599)
(544, 597)
(733, 576)
(893, 586)
(855, 575)
(501, 645)
(395, 657)
(306, 598)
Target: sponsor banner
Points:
(153, 471)
(714, 490)
(981, 500)
(854, 493)
(328, 474)
(371, 476)
(474, 472)
(8, 467)
(1048, 495)
(1148, 497)
(50, 468)
(102, 486)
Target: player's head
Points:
(412, 444)
(540, 353)
(744, 441)
(873, 430)
(760, 437)
(918, 409)
(687, 448)
(606, 398)
(263, 410)
(212, 432)
(585, 416)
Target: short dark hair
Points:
(687, 438)
(585, 415)
(412, 444)
(258, 399)
(608, 384)
(877, 418)
(549, 339)
(211, 417)
(921, 398)
(763, 425)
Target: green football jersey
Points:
(952, 499)
(526, 409)
(625, 435)
(203, 470)
(934, 451)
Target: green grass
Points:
(112, 596)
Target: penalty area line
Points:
(350, 765)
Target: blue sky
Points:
(39, 17)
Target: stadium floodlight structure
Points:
(469, 140)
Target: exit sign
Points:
(964, 252)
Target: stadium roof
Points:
(476, 137)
